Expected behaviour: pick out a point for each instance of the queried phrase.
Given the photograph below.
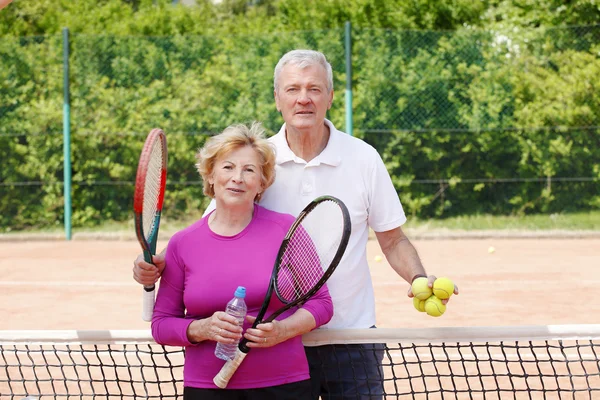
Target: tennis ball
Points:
(443, 288)
(491, 249)
(419, 304)
(377, 258)
(434, 306)
(420, 288)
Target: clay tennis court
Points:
(87, 284)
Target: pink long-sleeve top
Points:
(203, 270)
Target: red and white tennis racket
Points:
(148, 202)
(310, 252)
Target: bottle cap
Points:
(240, 292)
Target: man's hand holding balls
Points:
(431, 294)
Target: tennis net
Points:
(524, 362)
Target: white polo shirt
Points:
(352, 171)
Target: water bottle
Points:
(237, 308)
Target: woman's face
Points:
(237, 177)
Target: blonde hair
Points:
(232, 138)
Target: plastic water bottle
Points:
(237, 308)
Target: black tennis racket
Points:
(310, 252)
(148, 201)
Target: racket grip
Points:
(227, 371)
(148, 303)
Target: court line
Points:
(588, 282)
(68, 283)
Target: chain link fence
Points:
(467, 121)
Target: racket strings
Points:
(310, 251)
(152, 188)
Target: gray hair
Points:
(303, 59)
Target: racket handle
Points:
(148, 303)
(227, 371)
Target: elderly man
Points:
(313, 159)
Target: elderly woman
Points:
(235, 245)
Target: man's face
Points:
(302, 96)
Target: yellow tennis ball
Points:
(434, 306)
(377, 258)
(420, 288)
(443, 288)
(419, 304)
(491, 249)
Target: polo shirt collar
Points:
(330, 154)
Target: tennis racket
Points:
(308, 255)
(148, 202)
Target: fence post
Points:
(66, 135)
(348, 49)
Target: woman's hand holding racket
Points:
(267, 334)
